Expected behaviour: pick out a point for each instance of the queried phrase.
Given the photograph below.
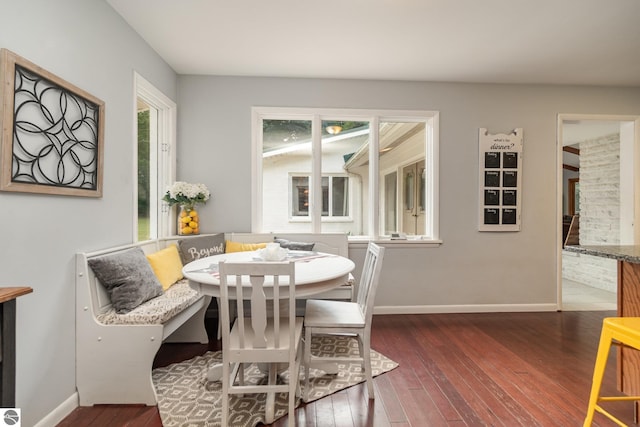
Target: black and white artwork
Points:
(52, 133)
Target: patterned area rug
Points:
(187, 398)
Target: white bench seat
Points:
(158, 310)
(115, 352)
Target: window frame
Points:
(163, 154)
(374, 117)
(325, 218)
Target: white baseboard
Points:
(475, 308)
(59, 413)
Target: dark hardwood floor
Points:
(495, 369)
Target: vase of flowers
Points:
(187, 196)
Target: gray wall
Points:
(87, 44)
(471, 271)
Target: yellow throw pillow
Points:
(243, 247)
(167, 266)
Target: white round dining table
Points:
(316, 272)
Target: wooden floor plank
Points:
(458, 370)
(392, 406)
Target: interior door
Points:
(413, 195)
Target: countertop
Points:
(9, 293)
(629, 253)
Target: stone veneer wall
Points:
(599, 212)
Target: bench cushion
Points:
(157, 310)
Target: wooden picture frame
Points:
(52, 132)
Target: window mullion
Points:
(166, 171)
(329, 196)
(374, 196)
(316, 175)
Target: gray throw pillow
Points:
(295, 246)
(128, 278)
(193, 248)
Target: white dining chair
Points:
(266, 330)
(328, 317)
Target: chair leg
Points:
(598, 373)
(270, 404)
(219, 336)
(293, 386)
(307, 362)
(225, 395)
(299, 357)
(365, 352)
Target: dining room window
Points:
(155, 116)
(367, 173)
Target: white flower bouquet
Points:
(184, 193)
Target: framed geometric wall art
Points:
(52, 132)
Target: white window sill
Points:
(362, 242)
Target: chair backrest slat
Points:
(276, 310)
(269, 287)
(369, 279)
(258, 311)
(240, 307)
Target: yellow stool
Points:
(619, 330)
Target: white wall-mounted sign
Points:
(500, 180)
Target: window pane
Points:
(402, 150)
(325, 196)
(340, 196)
(389, 201)
(144, 184)
(343, 148)
(286, 168)
(300, 195)
(409, 188)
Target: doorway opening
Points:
(596, 204)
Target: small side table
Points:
(8, 344)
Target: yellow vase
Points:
(188, 221)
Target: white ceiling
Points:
(591, 42)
